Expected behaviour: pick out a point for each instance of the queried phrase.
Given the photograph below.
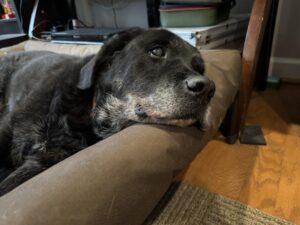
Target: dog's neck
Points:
(109, 117)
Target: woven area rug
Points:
(187, 205)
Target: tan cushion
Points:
(15, 48)
(120, 180)
(71, 49)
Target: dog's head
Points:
(148, 77)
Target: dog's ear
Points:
(86, 75)
(105, 56)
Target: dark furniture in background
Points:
(265, 54)
(153, 13)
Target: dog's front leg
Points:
(28, 169)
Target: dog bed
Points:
(121, 179)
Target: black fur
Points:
(46, 99)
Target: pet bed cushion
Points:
(121, 179)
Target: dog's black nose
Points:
(197, 84)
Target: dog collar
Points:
(94, 102)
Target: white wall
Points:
(285, 57)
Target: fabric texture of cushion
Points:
(121, 179)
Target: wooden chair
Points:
(235, 118)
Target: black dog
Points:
(52, 105)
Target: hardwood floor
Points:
(264, 177)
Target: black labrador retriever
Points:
(53, 105)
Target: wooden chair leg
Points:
(230, 128)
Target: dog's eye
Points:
(157, 52)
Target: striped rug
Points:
(187, 205)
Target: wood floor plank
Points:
(264, 177)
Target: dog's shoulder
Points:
(39, 74)
(42, 65)
(19, 59)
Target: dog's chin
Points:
(200, 119)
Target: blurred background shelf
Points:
(11, 31)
